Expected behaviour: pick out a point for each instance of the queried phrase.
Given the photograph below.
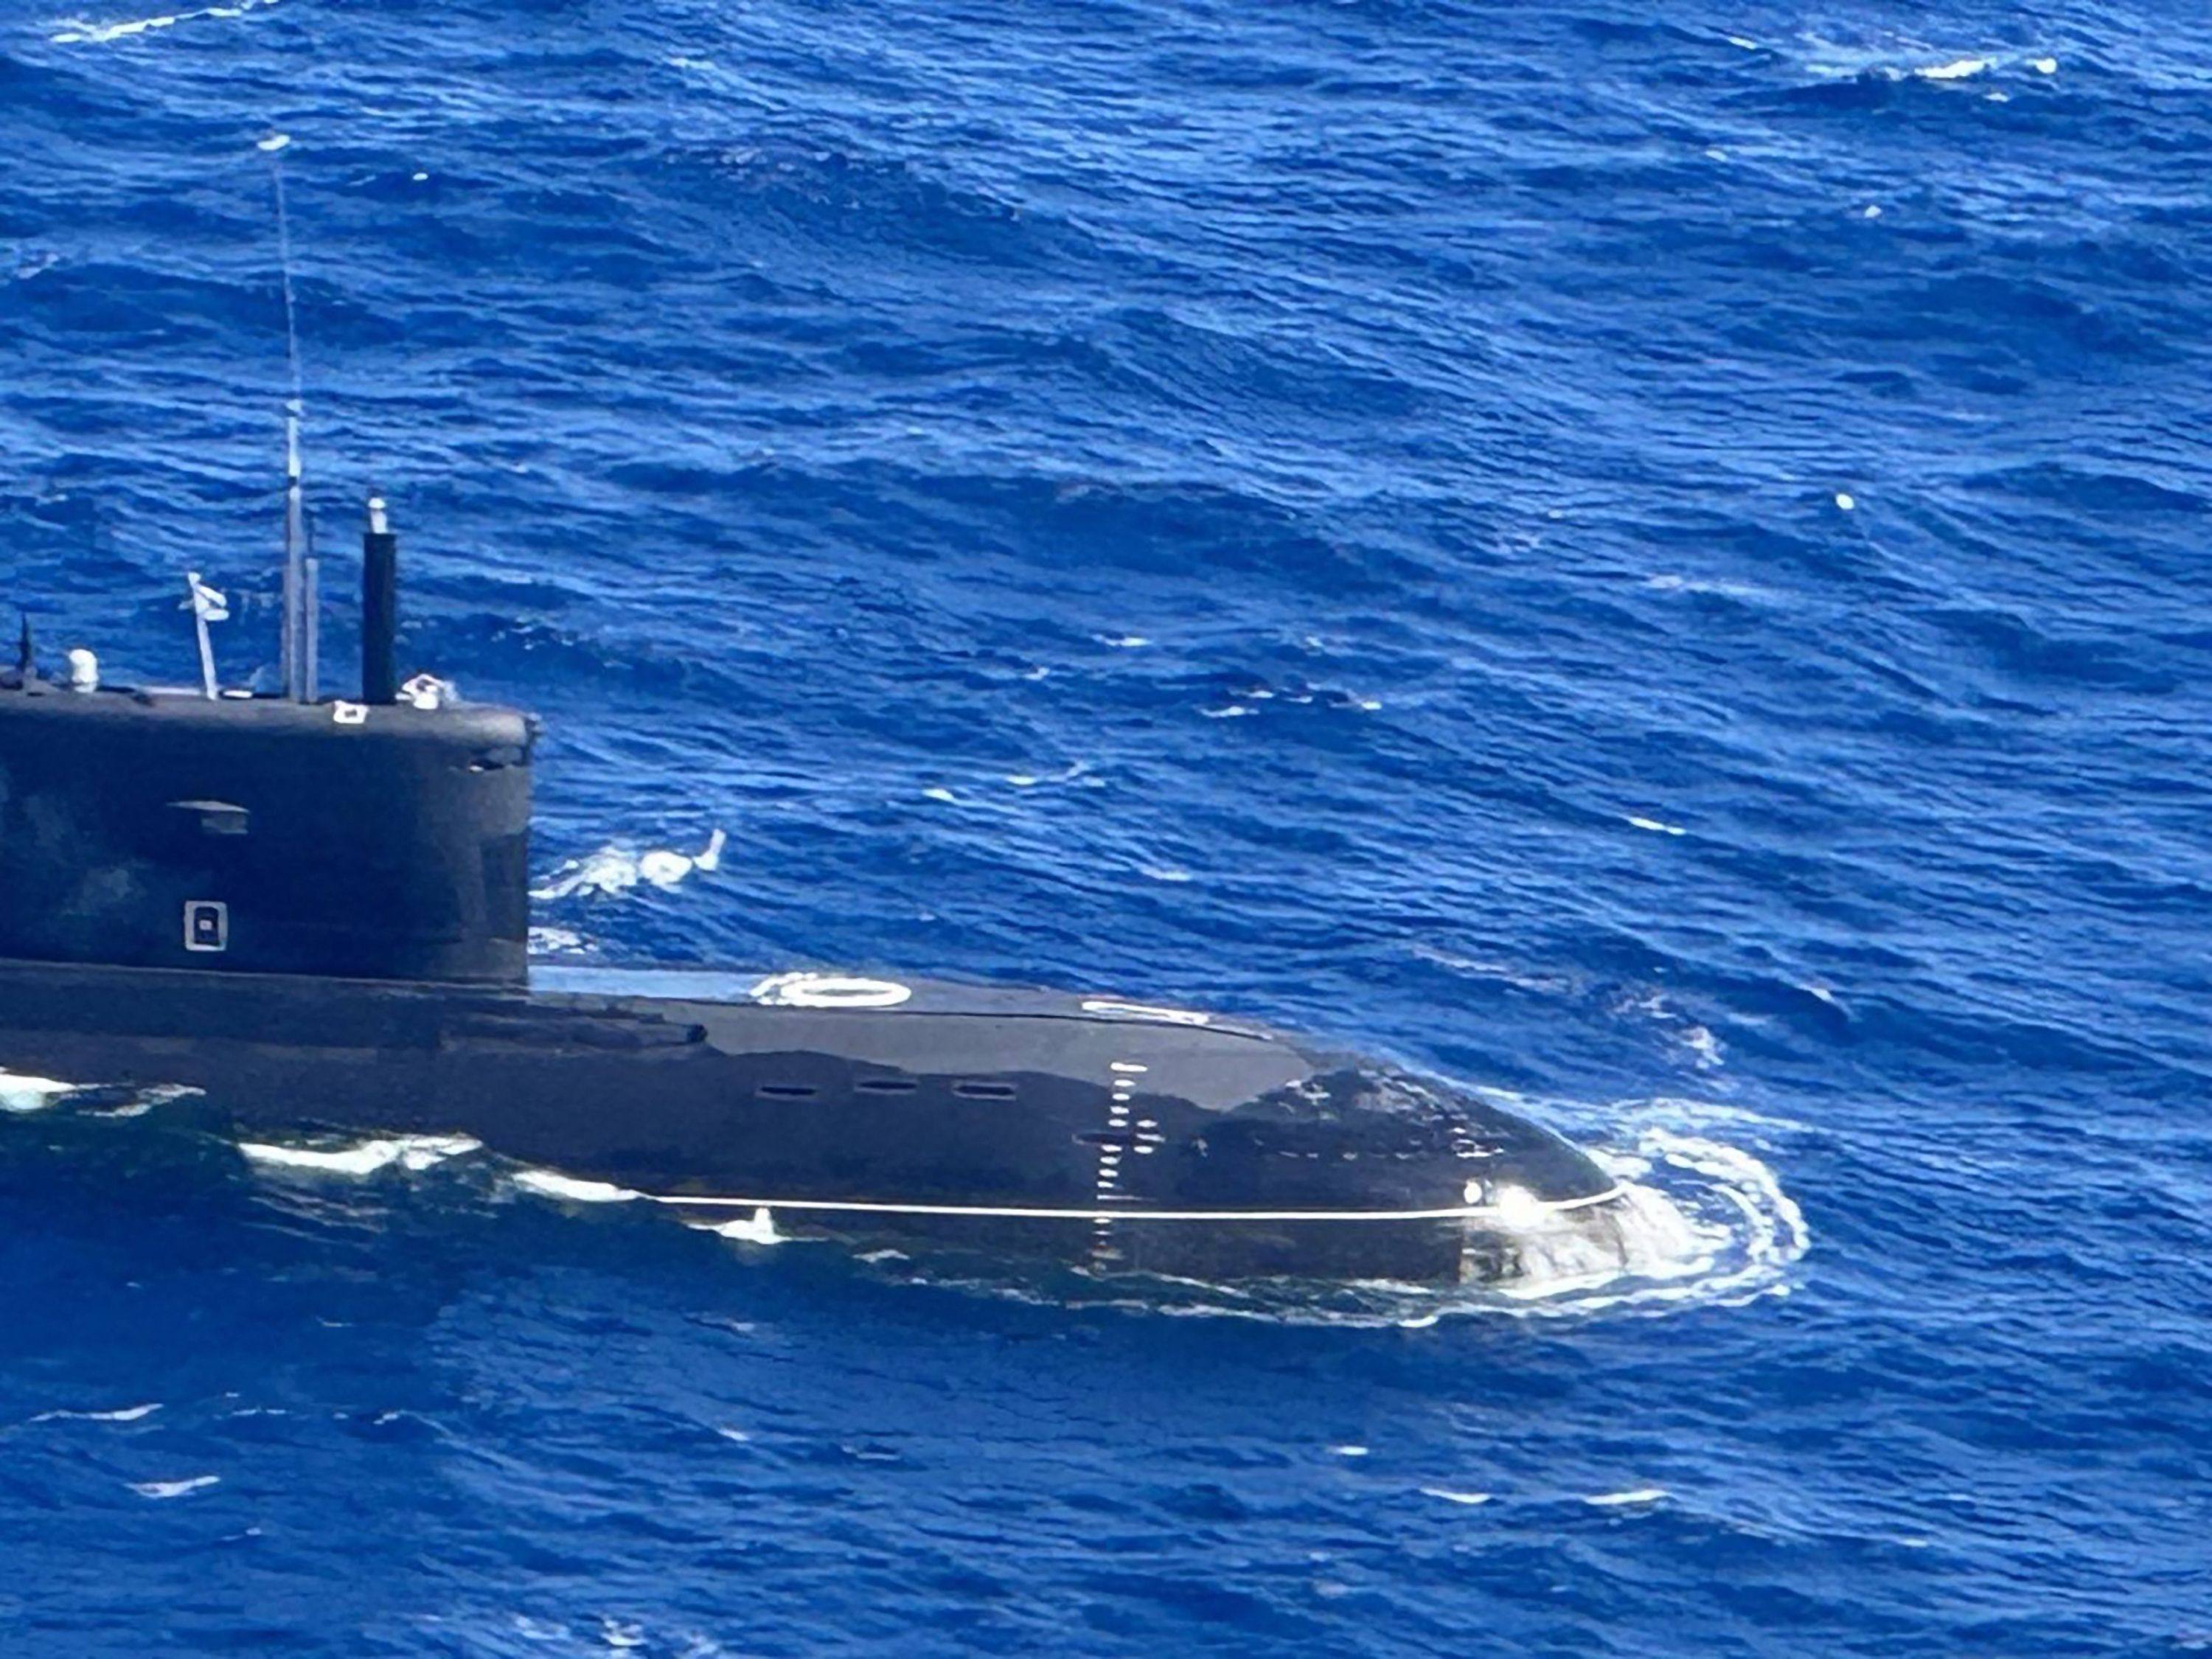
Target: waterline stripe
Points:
(844, 1206)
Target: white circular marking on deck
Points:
(829, 991)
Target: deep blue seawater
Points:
(1652, 557)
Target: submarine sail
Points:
(314, 914)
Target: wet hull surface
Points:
(1109, 1134)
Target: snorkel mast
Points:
(302, 625)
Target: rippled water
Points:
(1647, 560)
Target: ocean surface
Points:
(1650, 557)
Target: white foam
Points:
(415, 1153)
(1700, 1221)
(547, 1183)
(1233, 711)
(78, 33)
(1959, 69)
(1622, 1499)
(1704, 1221)
(1468, 1500)
(146, 1100)
(2043, 65)
(1124, 641)
(759, 1228)
(31, 1094)
(1675, 1115)
(1348, 1451)
(159, 1490)
(125, 1415)
(1656, 827)
(1073, 772)
(1669, 582)
(614, 869)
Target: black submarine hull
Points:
(1111, 1135)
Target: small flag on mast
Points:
(205, 603)
(206, 606)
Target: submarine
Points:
(311, 913)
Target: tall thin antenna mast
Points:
(301, 622)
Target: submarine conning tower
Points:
(386, 838)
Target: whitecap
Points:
(1624, 1499)
(1678, 1114)
(1124, 641)
(1468, 1500)
(1656, 827)
(146, 1100)
(1073, 772)
(79, 33)
(159, 1490)
(122, 1414)
(1670, 582)
(614, 869)
(1959, 69)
